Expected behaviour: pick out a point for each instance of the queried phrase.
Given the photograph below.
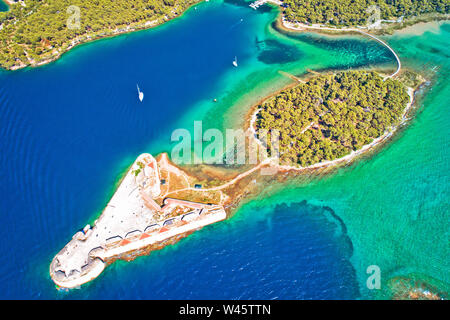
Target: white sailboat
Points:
(141, 94)
(235, 62)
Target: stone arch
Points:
(169, 222)
(133, 233)
(152, 227)
(113, 239)
(190, 216)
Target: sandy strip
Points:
(302, 27)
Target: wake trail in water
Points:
(235, 25)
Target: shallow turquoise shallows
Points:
(70, 129)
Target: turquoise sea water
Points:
(3, 6)
(68, 131)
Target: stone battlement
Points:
(132, 220)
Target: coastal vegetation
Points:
(355, 12)
(35, 31)
(331, 115)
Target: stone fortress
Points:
(131, 221)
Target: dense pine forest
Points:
(353, 12)
(35, 30)
(331, 115)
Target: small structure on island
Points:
(146, 174)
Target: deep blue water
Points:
(295, 252)
(69, 129)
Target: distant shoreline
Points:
(388, 28)
(144, 25)
(395, 26)
(289, 26)
(86, 38)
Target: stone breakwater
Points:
(132, 222)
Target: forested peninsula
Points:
(348, 13)
(35, 32)
(330, 116)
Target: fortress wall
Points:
(95, 268)
(160, 236)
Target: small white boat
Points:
(141, 94)
(235, 62)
